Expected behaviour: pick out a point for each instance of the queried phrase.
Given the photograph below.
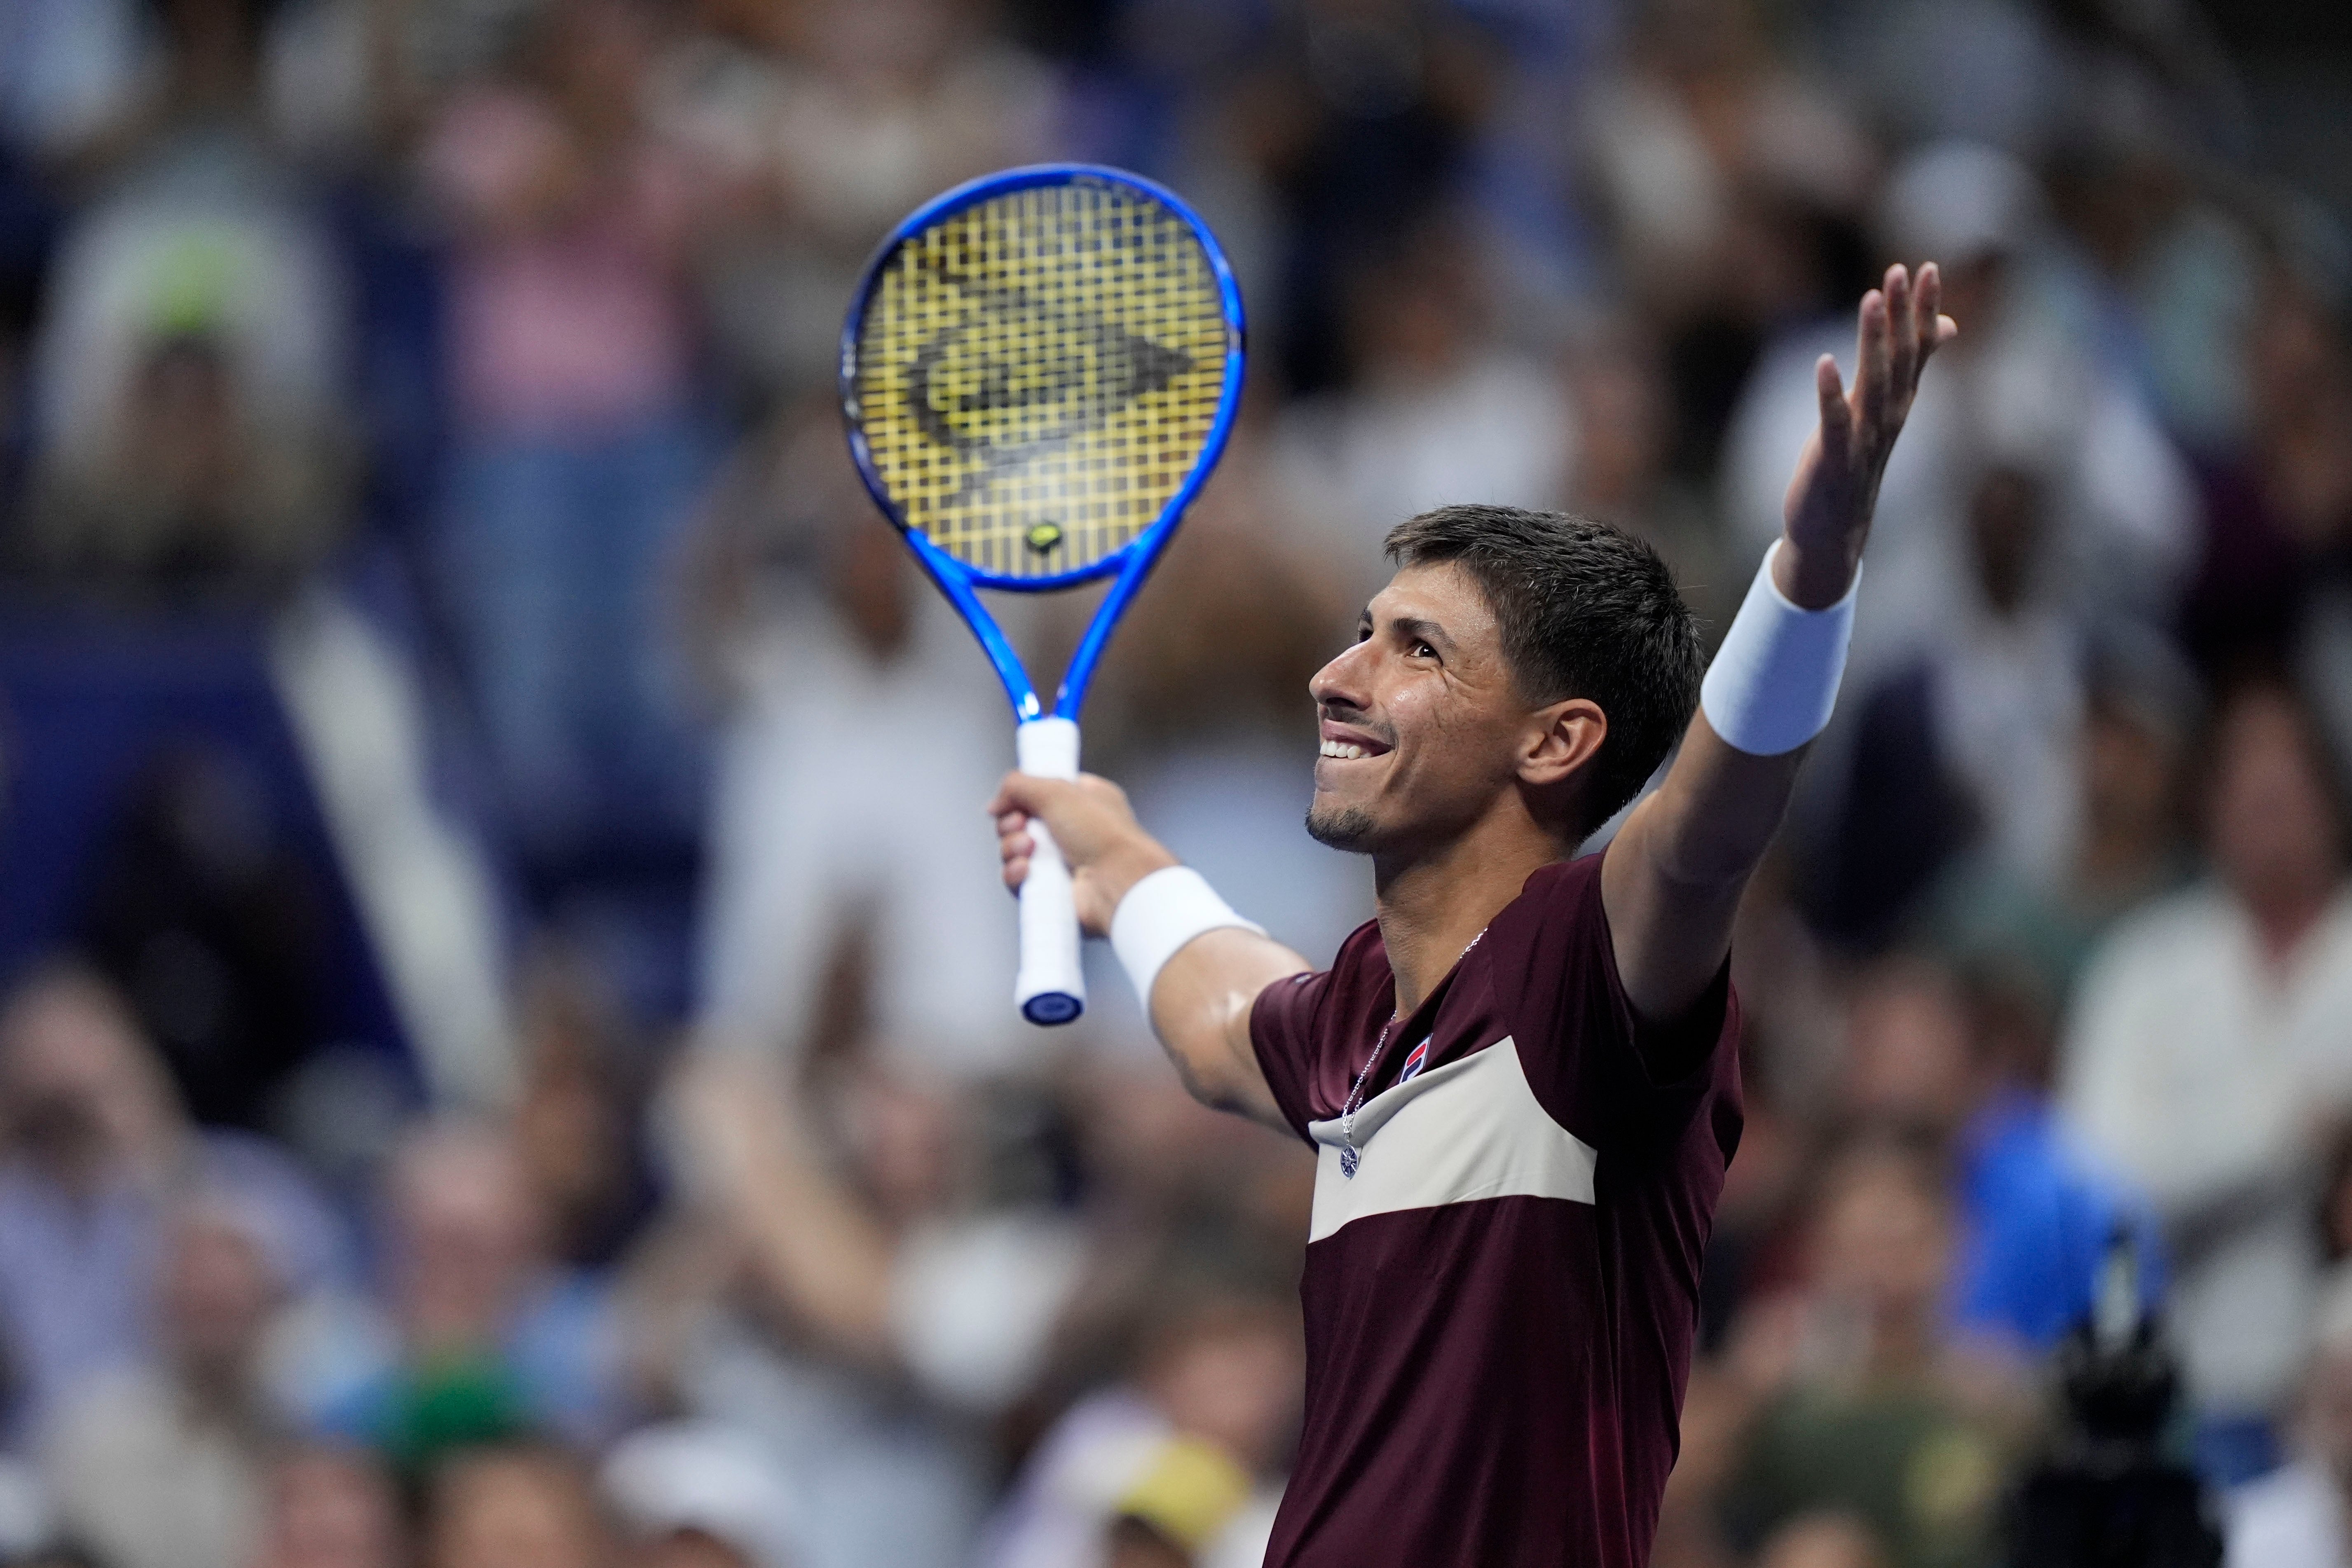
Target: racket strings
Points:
(1038, 374)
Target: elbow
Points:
(1204, 1083)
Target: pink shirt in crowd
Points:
(568, 319)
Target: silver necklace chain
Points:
(1351, 1156)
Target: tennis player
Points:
(1522, 1079)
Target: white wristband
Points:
(1160, 914)
(1774, 682)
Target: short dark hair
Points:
(1586, 610)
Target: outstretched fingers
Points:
(1935, 327)
(1901, 336)
(1837, 413)
(1871, 367)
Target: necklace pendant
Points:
(1348, 1161)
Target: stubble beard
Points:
(1347, 828)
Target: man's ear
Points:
(1562, 739)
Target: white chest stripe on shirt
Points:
(1468, 1130)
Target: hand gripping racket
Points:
(1039, 370)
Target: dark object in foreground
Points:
(2107, 1494)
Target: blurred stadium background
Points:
(506, 1056)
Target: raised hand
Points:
(1826, 515)
(1107, 848)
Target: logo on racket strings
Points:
(1017, 377)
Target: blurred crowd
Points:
(506, 1056)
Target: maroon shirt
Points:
(1500, 1303)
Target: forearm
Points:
(822, 1257)
(1673, 877)
(1716, 812)
(804, 1235)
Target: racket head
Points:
(1038, 370)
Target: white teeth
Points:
(1346, 750)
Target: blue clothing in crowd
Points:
(2037, 1214)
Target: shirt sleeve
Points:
(1283, 1026)
(1595, 1066)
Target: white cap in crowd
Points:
(699, 1476)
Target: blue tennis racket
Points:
(1039, 370)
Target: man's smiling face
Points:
(1421, 720)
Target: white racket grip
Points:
(1050, 988)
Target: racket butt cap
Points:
(1050, 1007)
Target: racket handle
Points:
(1050, 988)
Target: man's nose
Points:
(1342, 682)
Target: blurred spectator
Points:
(2007, 690)
(699, 1496)
(2129, 846)
(26, 1520)
(217, 261)
(1435, 410)
(2211, 1046)
(189, 359)
(97, 1147)
(1623, 410)
(906, 1271)
(2280, 516)
(576, 1123)
(1715, 1408)
(67, 68)
(1867, 1405)
(2277, 568)
(1176, 1512)
(1190, 1447)
(2335, 1216)
(161, 1466)
(515, 1506)
(2017, 389)
(185, 491)
(195, 91)
(330, 1507)
(578, 449)
(2295, 1517)
(201, 909)
(495, 1340)
(2034, 1215)
(1821, 1541)
(2172, 263)
(1704, 119)
(823, 126)
(823, 840)
(1360, 116)
(1732, 187)
(1984, 721)
(902, 1299)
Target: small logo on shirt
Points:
(1414, 1062)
